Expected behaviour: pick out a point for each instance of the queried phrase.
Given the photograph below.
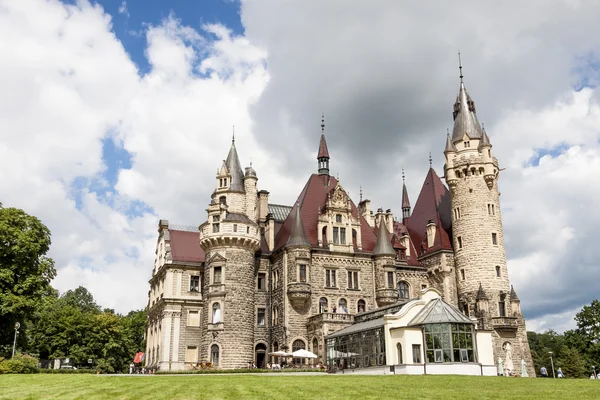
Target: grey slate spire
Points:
(513, 294)
(465, 118)
(298, 235)
(235, 169)
(383, 246)
(481, 293)
(450, 147)
(485, 140)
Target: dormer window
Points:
(467, 144)
(223, 200)
(225, 182)
(338, 218)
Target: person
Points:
(131, 368)
(544, 372)
(592, 376)
(559, 373)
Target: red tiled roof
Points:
(433, 204)
(405, 201)
(399, 229)
(185, 246)
(323, 152)
(312, 199)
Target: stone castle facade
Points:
(256, 277)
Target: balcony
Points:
(299, 293)
(505, 323)
(332, 318)
(386, 297)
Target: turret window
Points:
(215, 224)
(225, 182)
(403, 290)
(462, 274)
(390, 279)
(467, 144)
(497, 270)
(223, 200)
(247, 229)
(235, 227)
(491, 209)
(302, 272)
(489, 153)
(457, 213)
(494, 239)
(217, 271)
(459, 242)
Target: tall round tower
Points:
(484, 290)
(230, 238)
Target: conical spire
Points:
(405, 200)
(235, 169)
(323, 155)
(383, 246)
(450, 147)
(298, 235)
(485, 140)
(481, 293)
(465, 118)
(513, 294)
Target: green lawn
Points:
(282, 387)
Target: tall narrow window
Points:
(459, 240)
(235, 227)
(193, 318)
(216, 313)
(343, 235)
(302, 272)
(336, 235)
(275, 315)
(494, 239)
(225, 182)
(194, 283)
(260, 317)
(215, 224)
(330, 278)
(217, 275)
(416, 349)
(223, 200)
(403, 290)
(338, 218)
(323, 305)
(352, 279)
(262, 281)
(462, 274)
(502, 308)
(399, 351)
(191, 354)
(214, 355)
(361, 306)
(343, 306)
(390, 279)
(497, 270)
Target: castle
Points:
(257, 278)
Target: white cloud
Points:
(123, 8)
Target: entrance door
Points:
(260, 355)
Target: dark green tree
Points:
(586, 338)
(81, 299)
(25, 271)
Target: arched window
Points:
(275, 315)
(323, 303)
(315, 346)
(399, 349)
(214, 355)
(298, 344)
(343, 306)
(403, 290)
(223, 200)
(216, 313)
(361, 306)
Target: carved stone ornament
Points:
(215, 334)
(339, 198)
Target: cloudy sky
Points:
(114, 114)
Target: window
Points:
(457, 213)
(193, 318)
(217, 275)
(221, 182)
(361, 306)
(302, 272)
(214, 355)
(497, 270)
(489, 153)
(462, 274)
(399, 351)
(449, 343)
(315, 346)
(223, 200)
(194, 283)
(423, 287)
(494, 239)
(225, 182)
(275, 278)
(416, 348)
(338, 218)
(275, 315)
(323, 303)
(336, 235)
(390, 279)
(191, 354)
(260, 317)
(298, 344)
(491, 210)
(403, 290)
(235, 227)
(343, 235)
(501, 308)
(215, 224)
(248, 229)
(330, 278)
(352, 279)
(459, 240)
(216, 313)
(262, 281)
(343, 306)
(467, 144)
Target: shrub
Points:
(19, 364)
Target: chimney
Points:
(405, 241)
(431, 231)
(270, 231)
(263, 205)
(389, 220)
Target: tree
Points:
(25, 270)
(586, 338)
(81, 299)
(571, 363)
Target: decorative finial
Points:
(403, 177)
(322, 122)
(233, 135)
(361, 194)
(338, 176)
(460, 67)
(430, 161)
(448, 131)
(483, 126)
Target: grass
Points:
(330, 387)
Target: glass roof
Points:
(437, 311)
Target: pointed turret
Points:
(405, 201)
(465, 117)
(481, 293)
(450, 147)
(298, 235)
(383, 246)
(323, 155)
(235, 169)
(485, 140)
(513, 294)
